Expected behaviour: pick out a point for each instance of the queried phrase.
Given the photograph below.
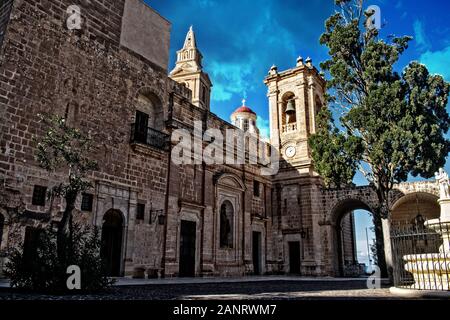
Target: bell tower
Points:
(189, 71)
(295, 97)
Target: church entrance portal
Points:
(111, 250)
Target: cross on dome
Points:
(244, 108)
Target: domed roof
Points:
(243, 109)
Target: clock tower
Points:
(295, 97)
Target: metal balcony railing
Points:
(151, 137)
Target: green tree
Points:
(65, 149)
(42, 271)
(392, 124)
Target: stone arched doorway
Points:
(112, 235)
(414, 207)
(345, 247)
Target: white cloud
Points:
(420, 36)
(206, 3)
(238, 69)
(437, 62)
(230, 78)
(264, 127)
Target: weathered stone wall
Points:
(348, 241)
(86, 77)
(145, 32)
(5, 11)
(297, 210)
(336, 203)
(94, 82)
(196, 194)
(90, 79)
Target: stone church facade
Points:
(110, 78)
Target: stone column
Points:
(130, 235)
(312, 106)
(300, 109)
(273, 117)
(386, 225)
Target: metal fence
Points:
(421, 256)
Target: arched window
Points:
(2, 224)
(226, 224)
(288, 114)
(318, 105)
(148, 120)
(150, 105)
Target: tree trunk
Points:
(381, 212)
(62, 237)
(381, 259)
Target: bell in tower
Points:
(290, 111)
(295, 96)
(290, 107)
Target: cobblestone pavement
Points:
(270, 290)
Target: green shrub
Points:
(41, 270)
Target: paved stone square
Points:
(277, 288)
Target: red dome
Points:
(244, 109)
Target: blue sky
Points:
(241, 40)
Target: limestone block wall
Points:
(145, 32)
(348, 239)
(5, 11)
(296, 214)
(87, 77)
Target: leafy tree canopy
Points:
(394, 124)
(65, 148)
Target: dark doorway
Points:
(294, 257)
(30, 246)
(187, 249)
(257, 253)
(141, 127)
(112, 242)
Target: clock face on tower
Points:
(290, 151)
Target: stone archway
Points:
(112, 242)
(340, 213)
(407, 208)
(149, 103)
